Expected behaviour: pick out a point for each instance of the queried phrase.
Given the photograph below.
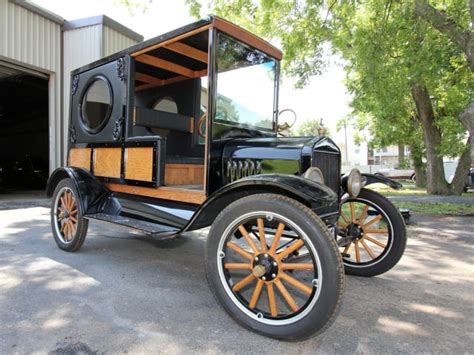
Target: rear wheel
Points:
(274, 267)
(371, 234)
(68, 225)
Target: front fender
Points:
(378, 179)
(90, 189)
(318, 197)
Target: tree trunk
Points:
(459, 180)
(436, 182)
(401, 154)
(420, 168)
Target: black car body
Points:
(170, 168)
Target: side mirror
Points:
(284, 127)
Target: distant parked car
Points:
(395, 173)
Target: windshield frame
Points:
(213, 79)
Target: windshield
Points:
(245, 85)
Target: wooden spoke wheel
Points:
(69, 227)
(371, 234)
(268, 264)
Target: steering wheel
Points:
(200, 122)
(281, 128)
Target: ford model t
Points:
(181, 132)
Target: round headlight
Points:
(354, 183)
(314, 174)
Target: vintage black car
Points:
(180, 132)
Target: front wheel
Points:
(274, 267)
(371, 234)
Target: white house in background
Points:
(38, 50)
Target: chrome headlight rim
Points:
(354, 183)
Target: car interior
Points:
(169, 103)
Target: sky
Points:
(325, 96)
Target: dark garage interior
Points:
(24, 141)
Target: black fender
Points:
(90, 189)
(379, 179)
(320, 198)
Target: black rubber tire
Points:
(327, 305)
(399, 236)
(82, 223)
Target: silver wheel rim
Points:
(258, 316)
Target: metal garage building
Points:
(38, 50)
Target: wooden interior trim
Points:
(148, 79)
(163, 192)
(188, 51)
(166, 65)
(172, 80)
(246, 37)
(184, 174)
(171, 40)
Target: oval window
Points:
(96, 105)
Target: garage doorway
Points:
(24, 134)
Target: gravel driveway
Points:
(125, 293)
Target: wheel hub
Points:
(265, 267)
(355, 231)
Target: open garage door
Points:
(24, 141)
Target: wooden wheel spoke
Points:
(353, 216)
(375, 241)
(276, 238)
(239, 250)
(295, 246)
(346, 249)
(237, 266)
(341, 226)
(289, 300)
(357, 251)
(363, 214)
(63, 225)
(66, 231)
(297, 266)
(73, 212)
(242, 283)
(372, 221)
(261, 234)
(296, 284)
(73, 229)
(73, 219)
(271, 300)
(248, 238)
(63, 202)
(256, 294)
(344, 217)
(376, 231)
(367, 249)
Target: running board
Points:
(147, 227)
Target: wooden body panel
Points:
(184, 174)
(107, 162)
(139, 163)
(163, 192)
(80, 158)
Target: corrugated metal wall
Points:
(114, 41)
(31, 40)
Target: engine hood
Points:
(251, 156)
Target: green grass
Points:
(434, 208)
(428, 208)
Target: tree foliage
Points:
(410, 65)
